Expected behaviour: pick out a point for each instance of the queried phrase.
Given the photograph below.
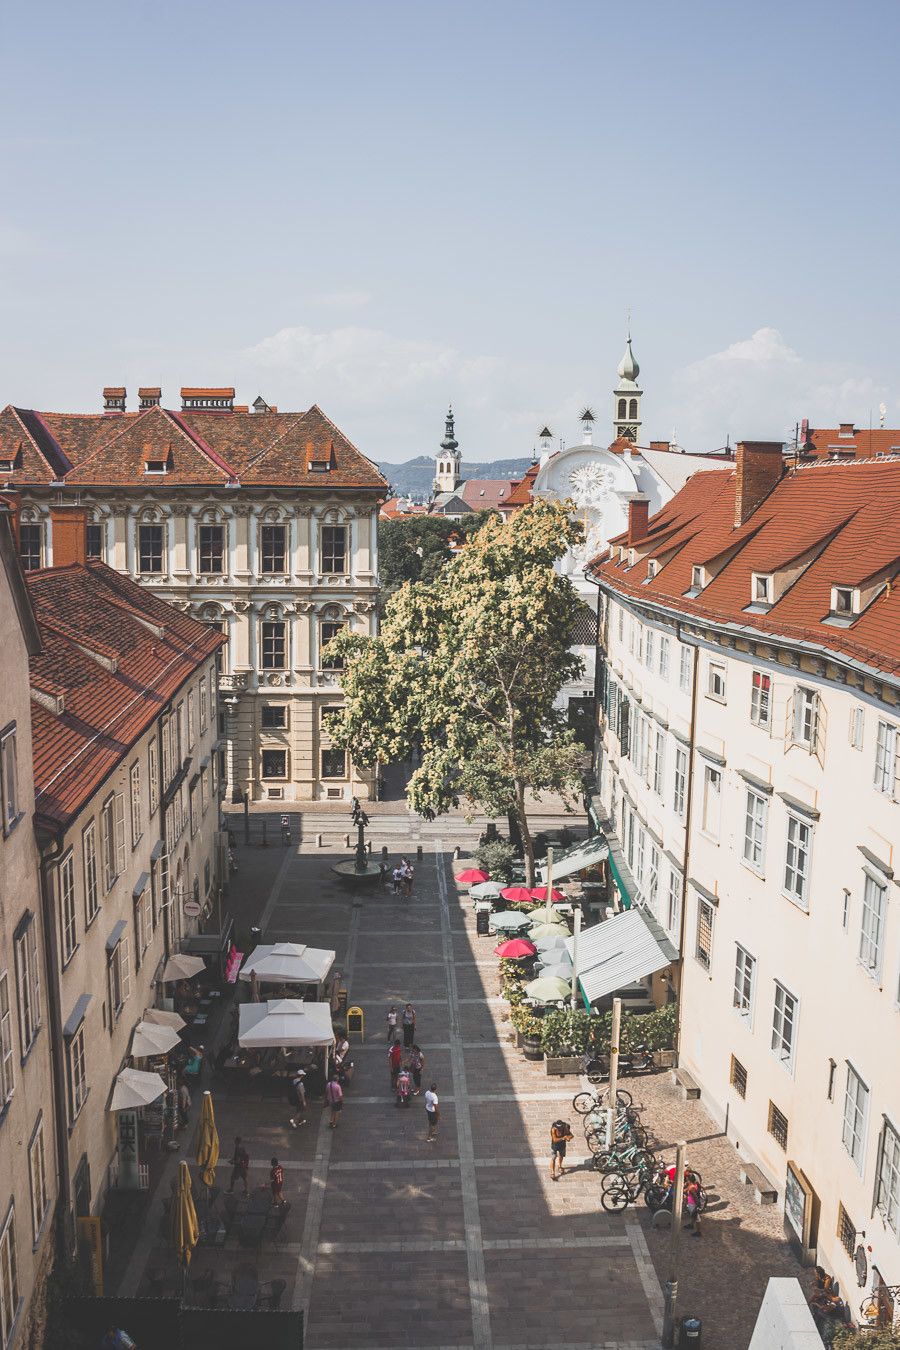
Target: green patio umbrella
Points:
(548, 989)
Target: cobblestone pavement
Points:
(466, 1242)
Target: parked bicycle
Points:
(586, 1102)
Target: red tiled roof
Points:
(487, 494)
(206, 449)
(844, 516)
(92, 609)
(521, 491)
(206, 393)
(862, 444)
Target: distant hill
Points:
(415, 477)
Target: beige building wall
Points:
(28, 1173)
(305, 598)
(790, 980)
(148, 855)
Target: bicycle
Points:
(583, 1103)
(630, 1159)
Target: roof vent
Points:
(149, 398)
(260, 405)
(114, 399)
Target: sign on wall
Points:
(129, 1156)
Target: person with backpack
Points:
(298, 1094)
(416, 1065)
(560, 1134)
(334, 1099)
(409, 1025)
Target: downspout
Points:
(65, 1235)
(162, 821)
(596, 681)
(688, 817)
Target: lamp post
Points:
(671, 1303)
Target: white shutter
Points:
(119, 831)
(124, 967)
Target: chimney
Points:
(659, 445)
(847, 429)
(113, 399)
(11, 505)
(69, 526)
(638, 518)
(149, 398)
(759, 466)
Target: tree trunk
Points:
(527, 840)
(515, 834)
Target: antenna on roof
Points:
(882, 414)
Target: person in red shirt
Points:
(276, 1181)
(395, 1059)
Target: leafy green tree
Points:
(467, 667)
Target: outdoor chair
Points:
(270, 1295)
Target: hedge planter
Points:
(561, 1064)
(531, 1046)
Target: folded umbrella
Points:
(472, 876)
(184, 1227)
(547, 989)
(516, 949)
(208, 1142)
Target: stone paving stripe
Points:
(397, 1164)
(312, 1224)
(411, 1245)
(277, 884)
(478, 1292)
(644, 1263)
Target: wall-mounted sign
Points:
(192, 908)
(801, 1210)
(129, 1157)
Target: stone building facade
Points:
(262, 524)
(748, 762)
(28, 1125)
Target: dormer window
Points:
(762, 589)
(843, 601)
(6, 465)
(652, 569)
(697, 577)
(156, 466)
(632, 557)
(318, 466)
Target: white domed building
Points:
(601, 481)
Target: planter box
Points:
(664, 1059)
(562, 1064)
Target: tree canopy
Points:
(418, 547)
(467, 667)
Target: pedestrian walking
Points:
(334, 1098)
(395, 1059)
(276, 1182)
(341, 1047)
(391, 1023)
(692, 1205)
(396, 880)
(409, 1025)
(184, 1103)
(406, 877)
(240, 1164)
(416, 1065)
(433, 1112)
(560, 1134)
(298, 1092)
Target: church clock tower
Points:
(627, 398)
(449, 461)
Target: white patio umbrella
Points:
(486, 890)
(561, 970)
(554, 942)
(284, 1022)
(288, 963)
(163, 1018)
(149, 1038)
(547, 989)
(509, 919)
(135, 1088)
(182, 967)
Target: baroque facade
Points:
(262, 524)
(748, 763)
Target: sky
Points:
(384, 207)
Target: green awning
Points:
(623, 889)
(586, 853)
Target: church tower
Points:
(627, 398)
(449, 471)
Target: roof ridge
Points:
(280, 437)
(200, 444)
(64, 458)
(344, 437)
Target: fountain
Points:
(361, 871)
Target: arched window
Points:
(623, 407)
(632, 408)
(331, 623)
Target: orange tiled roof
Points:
(850, 440)
(110, 698)
(487, 494)
(520, 494)
(205, 448)
(845, 517)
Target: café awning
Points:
(284, 1022)
(134, 1088)
(586, 853)
(620, 951)
(288, 963)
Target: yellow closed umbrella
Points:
(208, 1143)
(185, 1229)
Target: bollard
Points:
(384, 851)
(319, 840)
(346, 841)
(419, 853)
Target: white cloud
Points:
(759, 387)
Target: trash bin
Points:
(691, 1332)
(482, 922)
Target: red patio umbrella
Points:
(517, 895)
(540, 893)
(472, 877)
(515, 949)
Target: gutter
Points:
(688, 820)
(65, 1233)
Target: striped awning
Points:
(586, 853)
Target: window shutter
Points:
(124, 967)
(119, 831)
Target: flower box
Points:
(561, 1064)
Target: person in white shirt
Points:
(432, 1111)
